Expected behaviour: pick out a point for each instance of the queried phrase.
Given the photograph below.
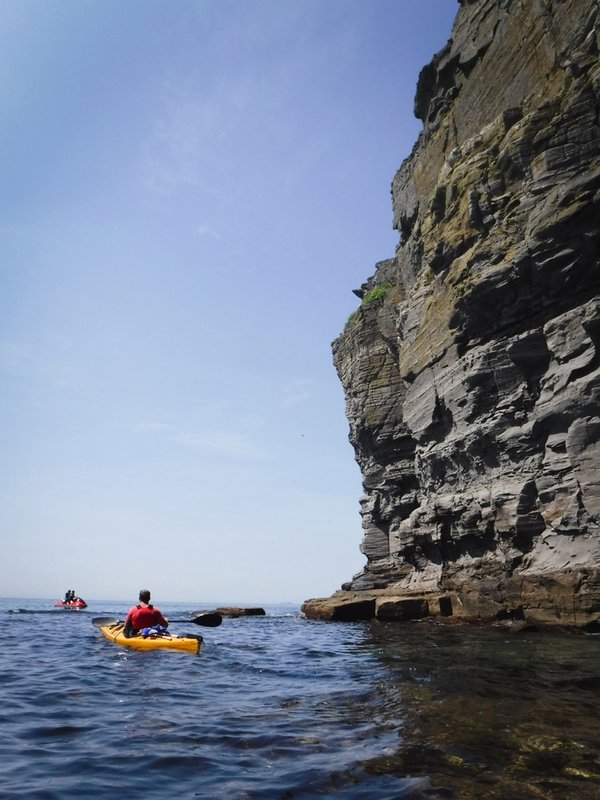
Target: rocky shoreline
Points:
(567, 599)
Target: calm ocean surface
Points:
(280, 707)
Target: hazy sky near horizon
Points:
(190, 192)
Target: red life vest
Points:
(145, 617)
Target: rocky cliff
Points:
(471, 369)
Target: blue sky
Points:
(190, 192)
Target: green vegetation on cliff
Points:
(379, 293)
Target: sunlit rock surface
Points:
(471, 369)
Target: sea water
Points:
(282, 707)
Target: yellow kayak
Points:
(185, 644)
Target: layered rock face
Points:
(472, 368)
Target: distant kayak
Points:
(186, 644)
(76, 603)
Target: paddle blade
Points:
(102, 622)
(210, 620)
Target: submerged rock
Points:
(235, 611)
(471, 369)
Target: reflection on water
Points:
(489, 713)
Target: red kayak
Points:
(77, 603)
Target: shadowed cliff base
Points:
(471, 368)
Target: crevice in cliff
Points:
(475, 544)
(529, 522)
(441, 422)
(407, 224)
(593, 330)
(532, 357)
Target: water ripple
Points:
(278, 707)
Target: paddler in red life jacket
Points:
(143, 616)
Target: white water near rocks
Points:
(280, 707)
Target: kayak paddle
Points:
(102, 622)
(208, 620)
